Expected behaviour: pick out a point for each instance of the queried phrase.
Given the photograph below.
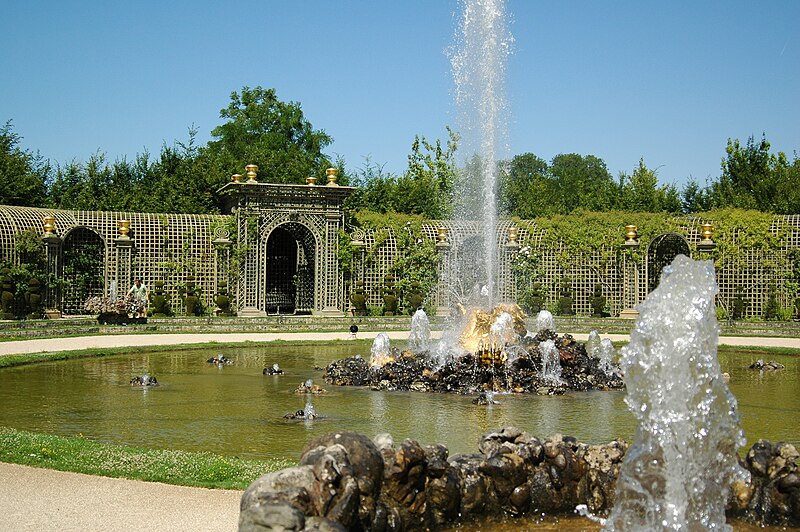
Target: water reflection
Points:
(235, 410)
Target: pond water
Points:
(234, 410)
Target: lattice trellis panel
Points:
(171, 247)
(167, 247)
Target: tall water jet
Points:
(545, 321)
(478, 65)
(678, 473)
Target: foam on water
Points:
(678, 472)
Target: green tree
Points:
(23, 175)
(640, 192)
(427, 186)
(526, 188)
(375, 188)
(263, 130)
(583, 182)
(754, 178)
(694, 198)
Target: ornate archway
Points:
(82, 268)
(661, 252)
(289, 269)
(289, 236)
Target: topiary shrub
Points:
(565, 302)
(160, 301)
(389, 296)
(598, 301)
(222, 300)
(772, 308)
(739, 304)
(6, 294)
(191, 301)
(359, 299)
(33, 298)
(415, 298)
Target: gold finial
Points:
(251, 170)
(513, 234)
(708, 230)
(331, 174)
(311, 180)
(706, 244)
(441, 235)
(49, 225)
(631, 236)
(124, 227)
(236, 178)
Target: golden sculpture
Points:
(477, 331)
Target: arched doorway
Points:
(661, 252)
(84, 259)
(289, 270)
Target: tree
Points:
(640, 192)
(23, 175)
(695, 199)
(427, 186)
(583, 182)
(754, 178)
(262, 130)
(526, 189)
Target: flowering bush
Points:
(121, 305)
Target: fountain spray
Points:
(479, 75)
(679, 471)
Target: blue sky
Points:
(669, 82)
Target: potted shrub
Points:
(415, 298)
(565, 301)
(6, 295)
(598, 301)
(389, 296)
(159, 301)
(359, 300)
(222, 300)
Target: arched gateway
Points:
(289, 238)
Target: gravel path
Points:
(42, 499)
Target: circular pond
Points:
(235, 410)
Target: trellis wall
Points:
(622, 275)
(167, 247)
(172, 247)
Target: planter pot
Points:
(52, 314)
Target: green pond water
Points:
(236, 411)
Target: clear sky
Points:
(669, 82)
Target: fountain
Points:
(551, 363)
(144, 380)
(275, 369)
(681, 467)
(381, 350)
(677, 475)
(420, 334)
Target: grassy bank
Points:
(80, 455)
(32, 358)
